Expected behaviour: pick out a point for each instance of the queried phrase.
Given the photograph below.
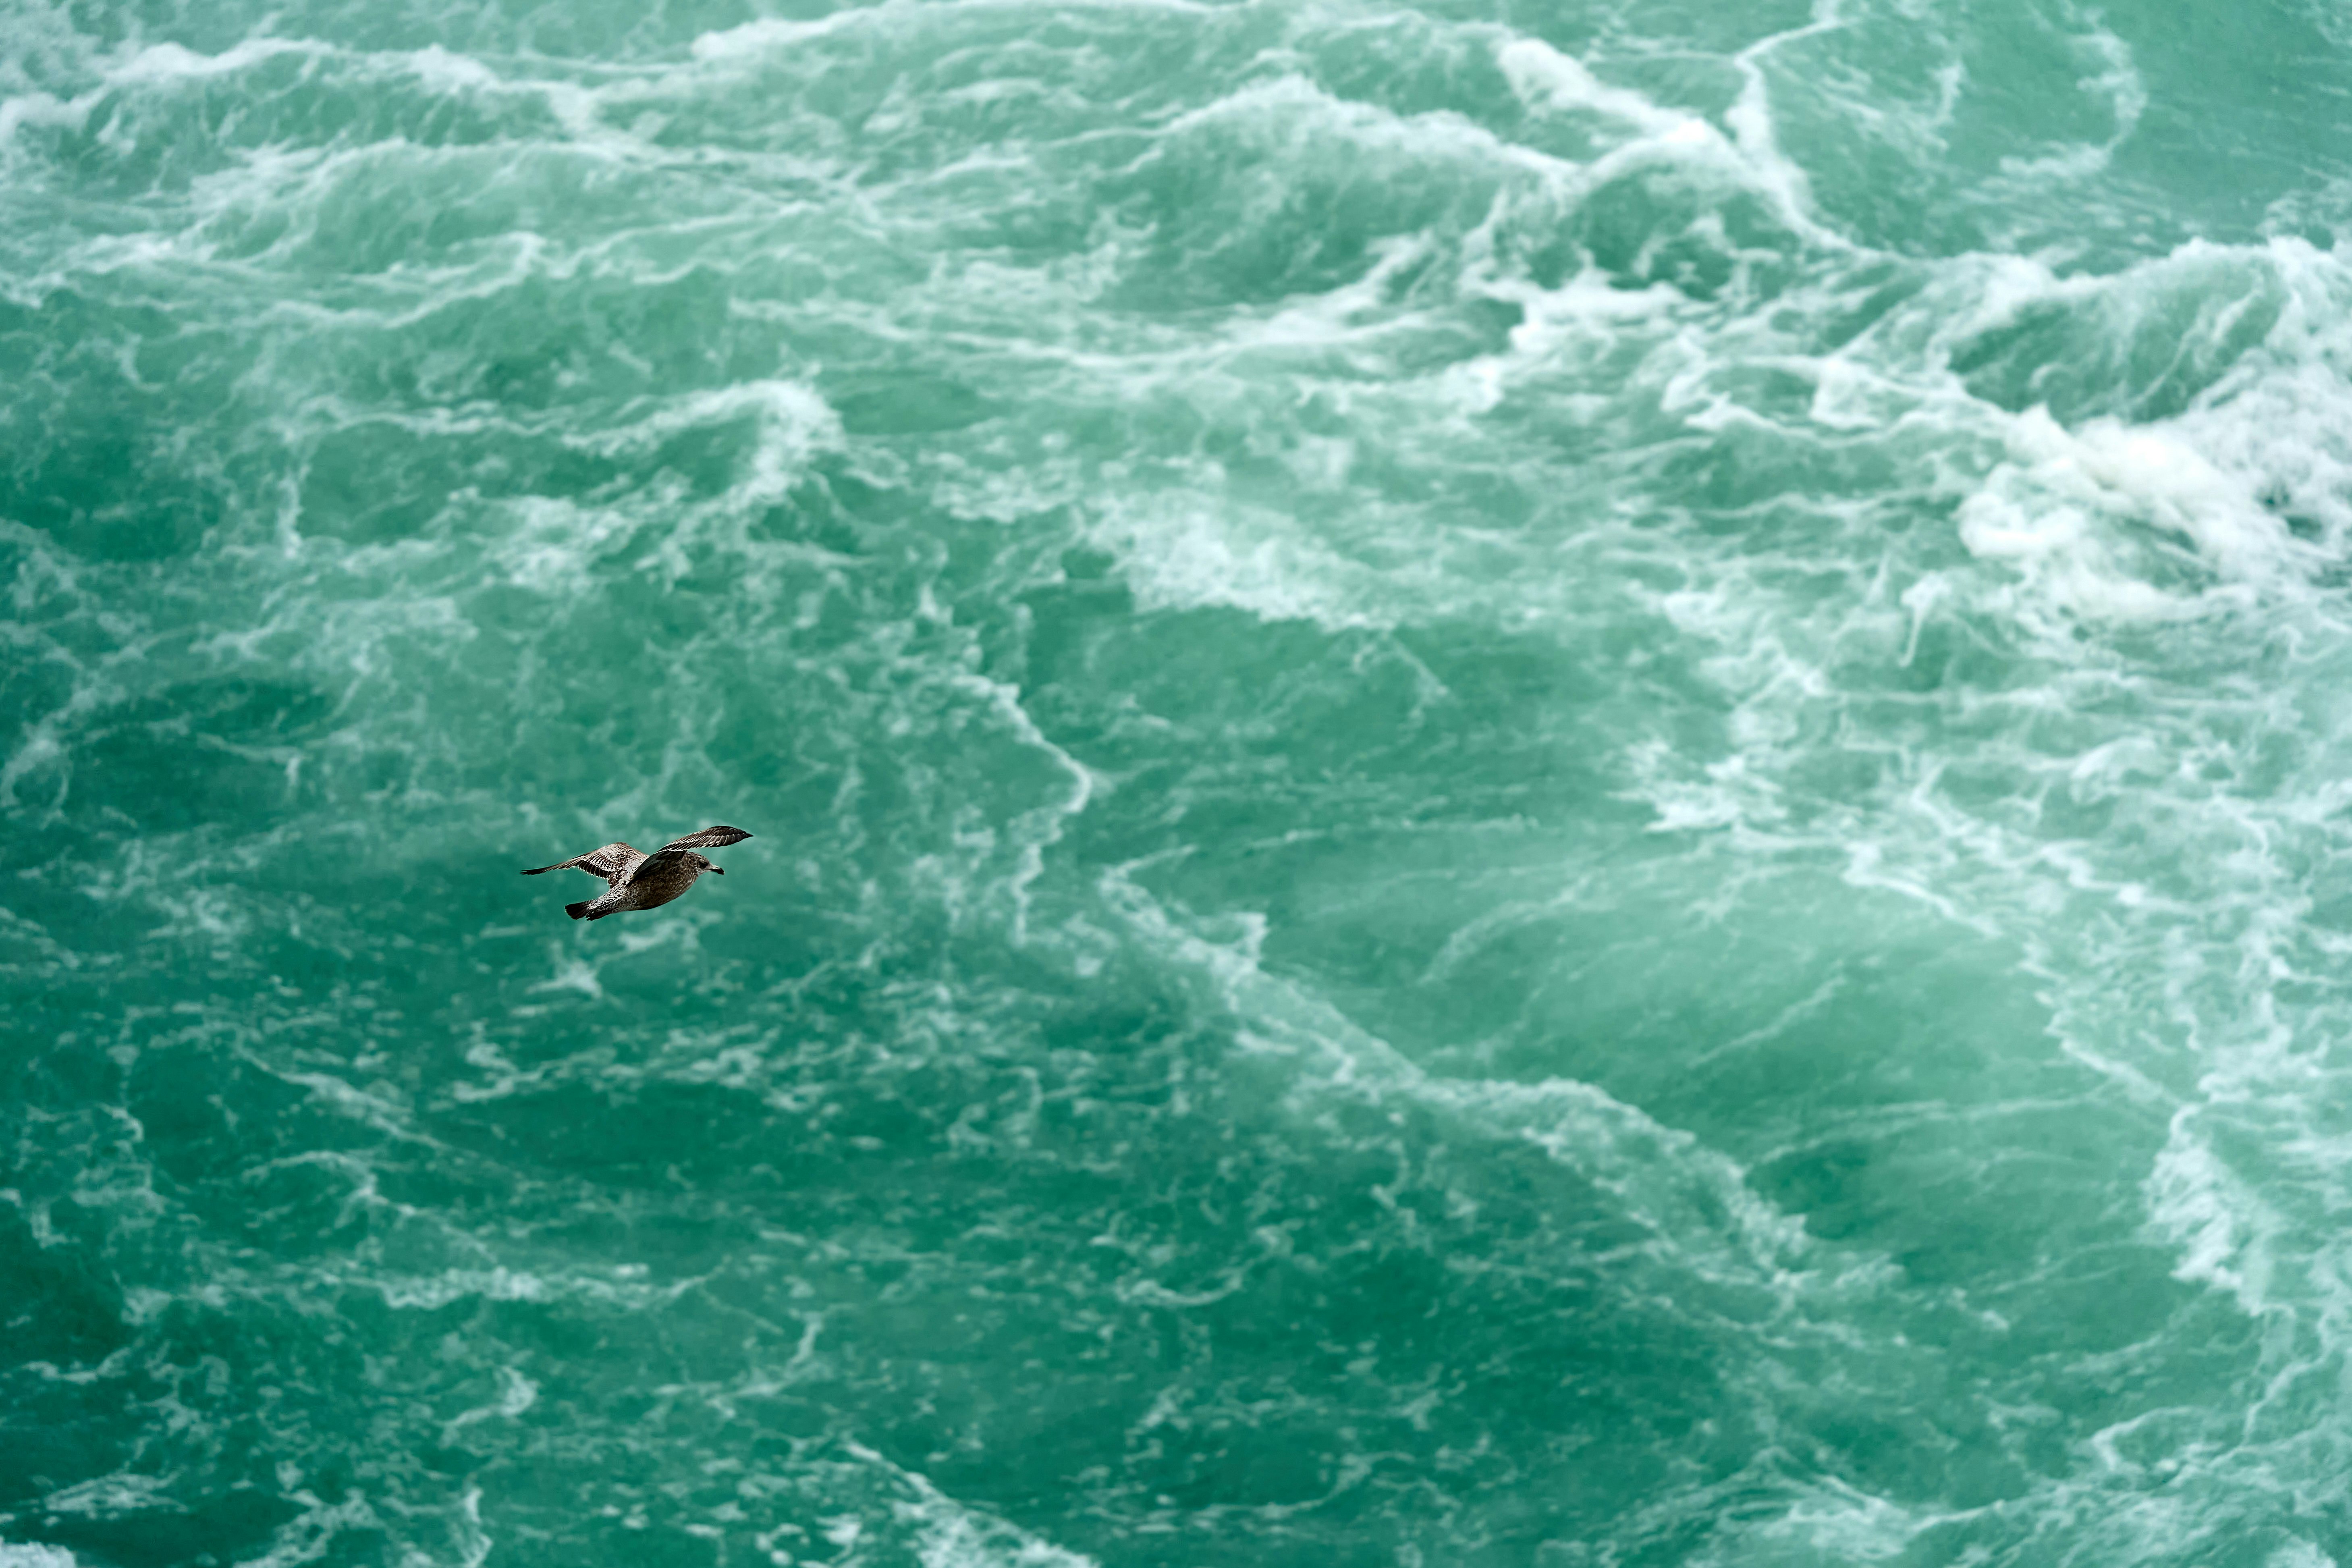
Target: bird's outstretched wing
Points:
(614, 862)
(709, 838)
(671, 853)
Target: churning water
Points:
(1535, 784)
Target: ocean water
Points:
(1535, 784)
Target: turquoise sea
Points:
(1550, 783)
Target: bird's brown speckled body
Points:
(635, 881)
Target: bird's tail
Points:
(578, 910)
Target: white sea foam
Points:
(1194, 553)
(756, 40)
(31, 1555)
(1830, 1519)
(1694, 1200)
(1540, 74)
(35, 109)
(2224, 1232)
(517, 1394)
(794, 423)
(115, 1496)
(952, 1534)
(2113, 77)
(1751, 121)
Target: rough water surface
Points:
(1556, 784)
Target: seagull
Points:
(642, 881)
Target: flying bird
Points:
(636, 880)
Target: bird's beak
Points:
(720, 870)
